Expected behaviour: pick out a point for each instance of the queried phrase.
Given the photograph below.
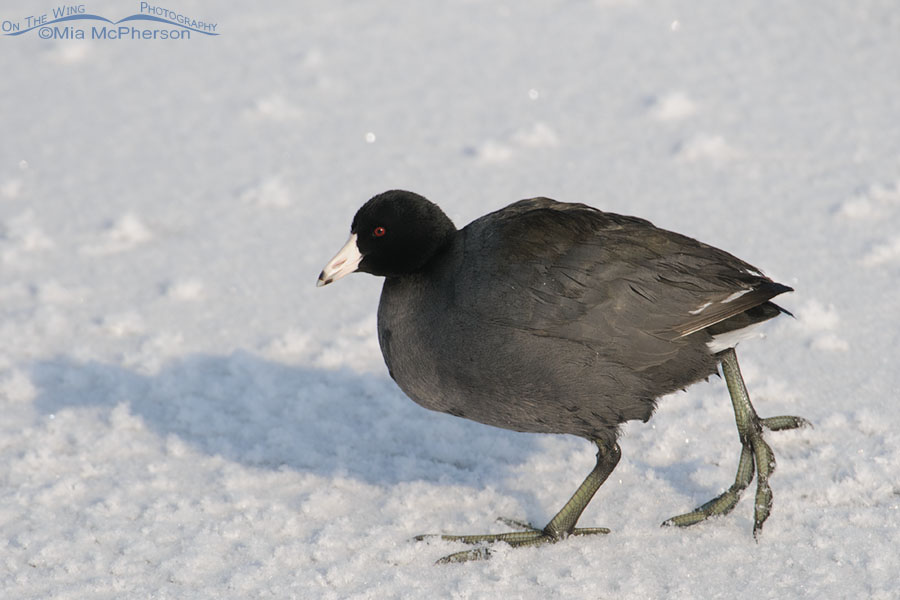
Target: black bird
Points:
(552, 317)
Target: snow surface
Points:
(185, 415)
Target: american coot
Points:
(553, 317)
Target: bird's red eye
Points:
(379, 231)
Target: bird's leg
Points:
(755, 453)
(560, 526)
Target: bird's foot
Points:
(784, 422)
(528, 535)
(756, 455)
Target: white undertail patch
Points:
(730, 339)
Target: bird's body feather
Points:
(580, 321)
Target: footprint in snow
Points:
(883, 253)
(20, 236)
(11, 188)
(124, 234)
(491, 151)
(819, 324)
(184, 290)
(275, 107)
(706, 148)
(670, 107)
(877, 203)
(268, 192)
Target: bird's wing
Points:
(578, 273)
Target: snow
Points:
(185, 415)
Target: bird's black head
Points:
(393, 234)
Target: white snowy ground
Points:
(184, 415)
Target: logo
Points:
(74, 22)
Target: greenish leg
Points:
(560, 526)
(756, 455)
